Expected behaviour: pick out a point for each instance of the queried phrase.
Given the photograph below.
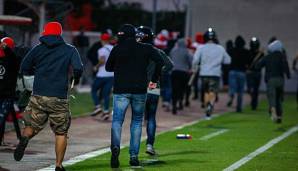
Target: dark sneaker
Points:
(20, 149)
(187, 103)
(209, 110)
(114, 158)
(229, 104)
(150, 150)
(59, 168)
(174, 112)
(134, 162)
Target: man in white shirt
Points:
(210, 57)
(103, 80)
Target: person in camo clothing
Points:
(49, 62)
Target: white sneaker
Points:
(97, 111)
(208, 118)
(273, 114)
(150, 150)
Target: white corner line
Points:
(213, 134)
(102, 151)
(262, 149)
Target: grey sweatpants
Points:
(275, 89)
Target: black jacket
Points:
(276, 65)
(9, 69)
(50, 62)
(255, 57)
(239, 59)
(167, 61)
(129, 61)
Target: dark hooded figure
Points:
(254, 74)
(237, 77)
(226, 67)
(276, 69)
(182, 65)
(129, 61)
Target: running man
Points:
(49, 62)
(277, 67)
(210, 57)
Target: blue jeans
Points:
(105, 84)
(237, 81)
(120, 104)
(150, 115)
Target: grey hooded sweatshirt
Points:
(181, 57)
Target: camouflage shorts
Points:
(42, 108)
(210, 84)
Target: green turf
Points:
(247, 132)
(81, 105)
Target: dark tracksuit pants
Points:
(275, 88)
(179, 86)
(150, 117)
(253, 85)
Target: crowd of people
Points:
(139, 68)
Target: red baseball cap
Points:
(199, 37)
(52, 28)
(8, 41)
(105, 37)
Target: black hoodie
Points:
(240, 56)
(129, 61)
(9, 68)
(50, 62)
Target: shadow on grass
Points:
(90, 166)
(182, 153)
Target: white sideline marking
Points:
(261, 149)
(91, 154)
(213, 134)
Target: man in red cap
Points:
(103, 80)
(9, 67)
(49, 62)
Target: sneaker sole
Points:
(150, 153)
(136, 167)
(95, 113)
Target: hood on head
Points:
(239, 42)
(126, 31)
(181, 43)
(51, 40)
(275, 46)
